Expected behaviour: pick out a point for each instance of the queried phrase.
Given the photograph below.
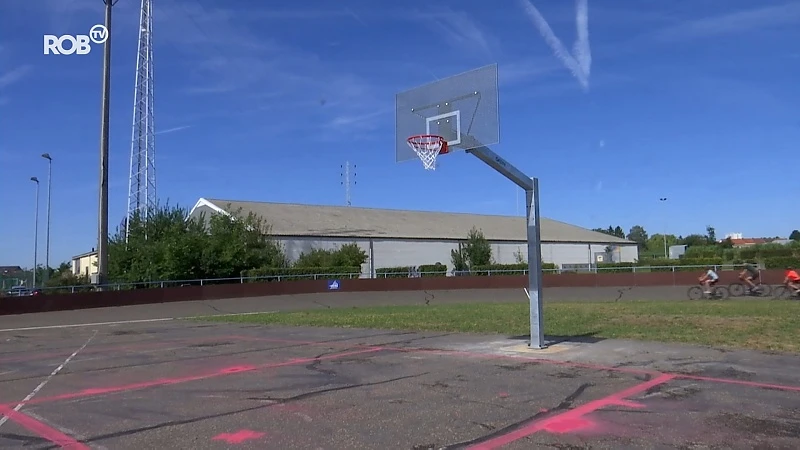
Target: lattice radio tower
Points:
(142, 182)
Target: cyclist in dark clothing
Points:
(750, 275)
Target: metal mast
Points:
(347, 179)
(142, 182)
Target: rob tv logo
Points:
(69, 44)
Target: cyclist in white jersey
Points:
(709, 279)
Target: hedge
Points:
(433, 270)
(781, 262)
(704, 251)
(507, 269)
(299, 273)
(768, 251)
(664, 265)
(758, 252)
(394, 272)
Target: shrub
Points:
(704, 251)
(300, 273)
(499, 269)
(348, 255)
(394, 272)
(433, 270)
(781, 262)
(615, 267)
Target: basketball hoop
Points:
(428, 147)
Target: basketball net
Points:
(427, 148)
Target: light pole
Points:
(49, 191)
(666, 255)
(102, 219)
(35, 233)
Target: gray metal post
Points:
(35, 234)
(535, 266)
(666, 254)
(531, 187)
(49, 192)
(102, 226)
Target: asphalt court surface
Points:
(333, 300)
(187, 384)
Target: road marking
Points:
(77, 325)
(123, 322)
(19, 406)
(231, 314)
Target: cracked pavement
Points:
(212, 386)
(337, 300)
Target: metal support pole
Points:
(666, 254)
(49, 193)
(531, 187)
(102, 226)
(35, 234)
(535, 266)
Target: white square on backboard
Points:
(456, 114)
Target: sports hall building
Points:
(395, 238)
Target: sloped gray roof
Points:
(339, 221)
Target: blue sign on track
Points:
(333, 285)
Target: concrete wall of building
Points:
(416, 252)
(85, 265)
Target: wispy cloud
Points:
(173, 130)
(260, 74)
(355, 16)
(14, 75)
(460, 31)
(579, 61)
(524, 70)
(732, 22)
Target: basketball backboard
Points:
(462, 108)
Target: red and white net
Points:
(427, 148)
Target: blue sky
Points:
(691, 100)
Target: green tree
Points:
(711, 235)
(638, 234)
(237, 243)
(458, 258)
(62, 276)
(612, 231)
(694, 239)
(169, 245)
(795, 235)
(477, 250)
(655, 243)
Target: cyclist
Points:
(708, 279)
(792, 280)
(750, 275)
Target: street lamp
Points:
(49, 191)
(666, 255)
(35, 233)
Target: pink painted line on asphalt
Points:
(110, 348)
(179, 380)
(574, 419)
(42, 430)
(544, 361)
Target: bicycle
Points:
(783, 292)
(740, 288)
(717, 293)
